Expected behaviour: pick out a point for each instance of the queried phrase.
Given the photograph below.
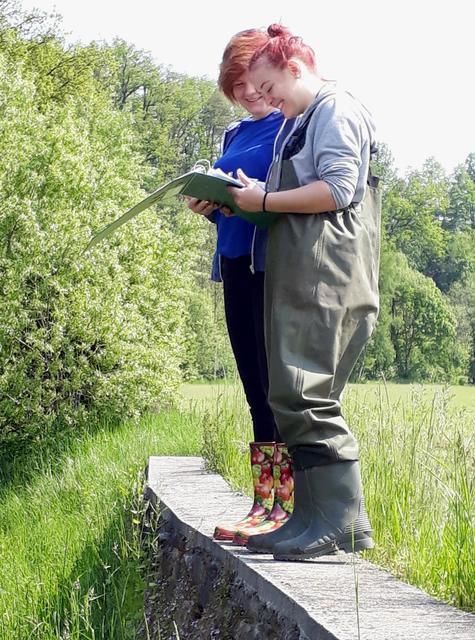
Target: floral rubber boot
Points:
(262, 456)
(283, 498)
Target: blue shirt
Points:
(250, 149)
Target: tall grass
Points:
(226, 435)
(418, 465)
(71, 562)
(419, 477)
(70, 554)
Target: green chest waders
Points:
(321, 305)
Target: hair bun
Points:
(278, 30)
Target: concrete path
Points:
(320, 595)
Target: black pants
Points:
(244, 308)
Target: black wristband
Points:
(264, 202)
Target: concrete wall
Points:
(207, 599)
(213, 590)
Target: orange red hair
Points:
(237, 56)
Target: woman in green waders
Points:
(321, 291)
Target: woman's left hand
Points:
(250, 197)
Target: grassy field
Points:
(459, 397)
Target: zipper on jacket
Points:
(219, 267)
(251, 266)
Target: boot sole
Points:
(262, 551)
(349, 545)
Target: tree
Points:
(414, 336)
(207, 350)
(379, 355)
(457, 261)
(383, 167)
(423, 329)
(460, 214)
(470, 165)
(462, 298)
(179, 119)
(412, 213)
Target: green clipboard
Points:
(196, 184)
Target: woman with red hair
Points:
(321, 291)
(239, 264)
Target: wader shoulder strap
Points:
(373, 181)
(296, 140)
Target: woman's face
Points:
(280, 87)
(245, 94)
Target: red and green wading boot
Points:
(283, 498)
(262, 455)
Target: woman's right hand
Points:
(203, 207)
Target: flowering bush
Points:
(81, 333)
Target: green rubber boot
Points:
(295, 525)
(334, 504)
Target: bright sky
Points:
(410, 61)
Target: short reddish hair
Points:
(236, 58)
(281, 45)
